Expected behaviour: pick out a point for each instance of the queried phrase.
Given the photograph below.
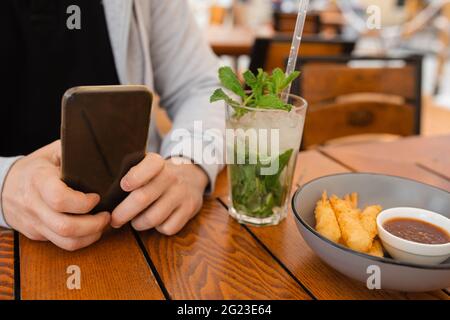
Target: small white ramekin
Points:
(410, 251)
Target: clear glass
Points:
(262, 148)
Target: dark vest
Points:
(40, 58)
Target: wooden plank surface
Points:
(113, 268)
(6, 264)
(440, 166)
(413, 158)
(363, 163)
(214, 257)
(414, 149)
(321, 280)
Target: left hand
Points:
(164, 194)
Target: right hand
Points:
(38, 204)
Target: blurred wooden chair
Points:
(328, 21)
(285, 23)
(354, 99)
(271, 53)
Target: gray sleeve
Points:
(5, 165)
(185, 75)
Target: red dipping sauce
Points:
(416, 230)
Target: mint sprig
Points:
(257, 194)
(265, 90)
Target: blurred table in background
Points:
(435, 118)
(235, 41)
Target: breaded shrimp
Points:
(353, 233)
(326, 222)
(369, 219)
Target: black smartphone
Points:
(104, 133)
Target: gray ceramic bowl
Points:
(388, 191)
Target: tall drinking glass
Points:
(262, 148)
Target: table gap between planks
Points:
(214, 257)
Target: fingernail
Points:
(125, 184)
(114, 224)
(95, 196)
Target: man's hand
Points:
(165, 194)
(38, 204)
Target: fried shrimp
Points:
(377, 249)
(369, 219)
(352, 199)
(326, 222)
(353, 233)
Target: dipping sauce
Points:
(417, 231)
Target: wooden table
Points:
(234, 41)
(214, 257)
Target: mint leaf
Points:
(230, 81)
(272, 182)
(283, 160)
(250, 79)
(260, 88)
(289, 79)
(272, 101)
(220, 95)
(277, 80)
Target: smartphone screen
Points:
(104, 133)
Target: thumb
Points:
(56, 153)
(51, 152)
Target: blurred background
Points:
(371, 69)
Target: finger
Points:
(150, 219)
(143, 172)
(70, 244)
(57, 154)
(61, 198)
(158, 212)
(72, 226)
(50, 150)
(140, 199)
(33, 235)
(176, 221)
